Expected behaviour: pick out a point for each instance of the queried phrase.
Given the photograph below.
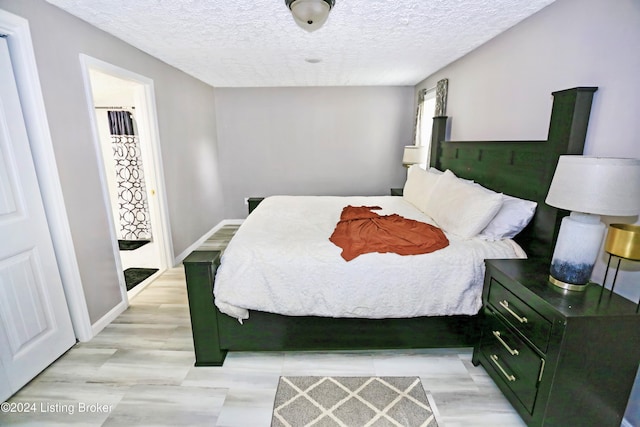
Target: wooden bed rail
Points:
(200, 268)
(273, 332)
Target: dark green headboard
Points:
(522, 168)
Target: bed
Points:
(521, 169)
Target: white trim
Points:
(28, 81)
(626, 423)
(201, 240)
(105, 320)
(146, 99)
(430, 93)
(147, 118)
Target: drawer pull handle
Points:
(511, 351)
(494, 359)
(505, 305)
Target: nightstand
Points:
(253, 202)
(397, 191)
(561, 358)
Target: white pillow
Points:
(418, 187)
(514, 215)
(439, 172)
(460, 207)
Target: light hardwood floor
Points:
(139, 372)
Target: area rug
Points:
(135, 276)
(351, 402)
(131, 245)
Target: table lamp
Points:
(414, 155)
(588, 187)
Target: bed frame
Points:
(519, 168)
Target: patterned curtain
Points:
(417, 137)
(437, 107)
(132, 196)
(442, 89)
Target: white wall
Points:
(502, 90)
(186, 116)
(312, 141)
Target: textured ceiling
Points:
(256, 43)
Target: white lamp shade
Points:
(596, 185)
(414, 154)
(310, 14)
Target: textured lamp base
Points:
(576, 251)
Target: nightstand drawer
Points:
(525, 389)
(577, 353)
(516, 353)
(514, 363)
(520, 315)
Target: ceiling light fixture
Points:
(310, 14)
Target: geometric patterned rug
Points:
(351, 402)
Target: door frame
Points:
(146, 115)
(18, 36)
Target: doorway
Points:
(131, 174)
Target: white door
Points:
(35, 325)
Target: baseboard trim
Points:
(109, 317)
(179, 258)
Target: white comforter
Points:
(281, 261)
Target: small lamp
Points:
(414, 155)
(589, 187)
(310, 14)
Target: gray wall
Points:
(502, 90)
(186, 115)
(311, 141)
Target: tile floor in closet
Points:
(139, 372)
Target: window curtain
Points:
(424, 122)
(431, 103)
(419, 118)
(442, 90)
(133, 209)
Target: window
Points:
(431, 103)
(424, 120)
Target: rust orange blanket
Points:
(362, 231)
